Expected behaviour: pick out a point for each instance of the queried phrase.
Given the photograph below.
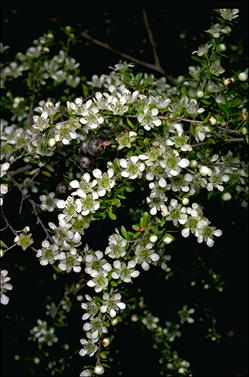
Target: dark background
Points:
(121, 25)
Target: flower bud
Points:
(228, 82)
(243, 130)
(99, 370)
(226, 196)
(114, 321)
(193, 163)
(200, 93)
(222, 47)
(153, 238)
(243, 76)
(205, 170)
(105, 342)
(168, 239)
(185, 201)
(212, 121)
(134, 318)
(51, 142)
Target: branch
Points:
(151, 39)
(20, 170)
(153, 67)
(38, 219)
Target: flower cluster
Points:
(43, 334)
(125, 133)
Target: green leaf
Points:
(114, 283)
(144, 220)
(130, 235)
(139, 76)
(112, 215)
(130, 123)
(135, 227)
(121, 196)
(115, 202)
(123, 231)
(85, 90)
(3, 245)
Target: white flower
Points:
(185, 232)
(99, 282)
(149, 118)
(183, 163)
(4, 168)
(228, 13)
(47, 253)
(3, 188)
(3, 191)
(124, 271)
(145, 255)
(95, 328)
(104, 181)
(74, 184)
(23, 239)
(89, 347)
(60, 203)
(132, 167)
(162, 182)
(43, 334)
(112, 304)
(48, 202)
(69, 260)
(91, 308)
(4, 286)
(117, 246)
(126, 139)
(201, 133)
(185, 314)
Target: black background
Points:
(121, 25)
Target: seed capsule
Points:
(95, 146)
(85, 162)
(61, 188)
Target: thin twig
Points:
(20, 170)
(124, 55)
(151, 39)
(8, 224)
(39, 221)
(188, 120)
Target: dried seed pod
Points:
(85, 162)
(95, 147)
(61, 188)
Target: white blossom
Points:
(4, 287)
